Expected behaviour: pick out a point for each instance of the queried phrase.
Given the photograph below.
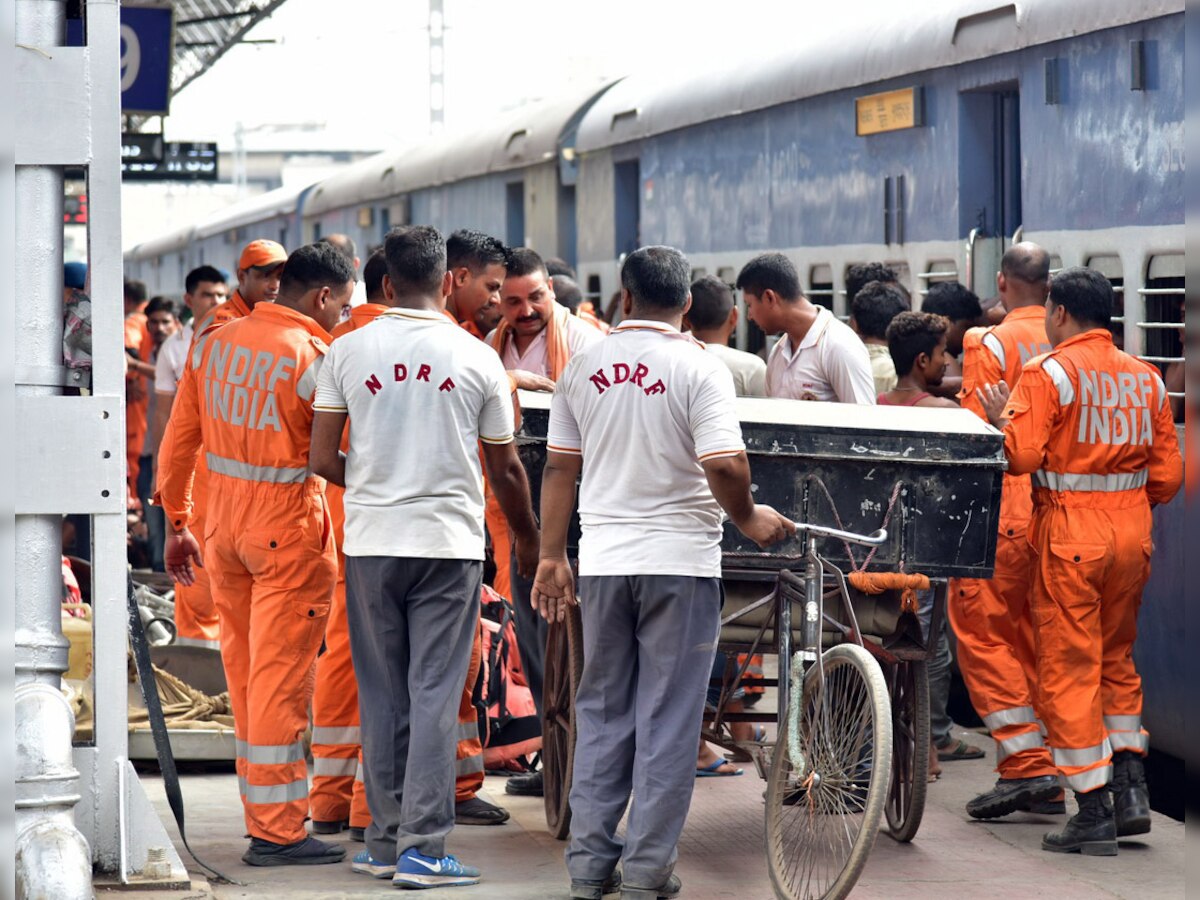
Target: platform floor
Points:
(721, 854)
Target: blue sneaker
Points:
(364, 865)
(415, 870)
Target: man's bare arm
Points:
(729, 480)
(325, 456)
(507, 478)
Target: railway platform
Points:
(721, 854)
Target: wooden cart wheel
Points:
(908, 682)
(564, 666)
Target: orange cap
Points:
(262, 253)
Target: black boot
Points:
(1092, 831)
(1130, 797)
(1012, 794)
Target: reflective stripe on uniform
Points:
(242, 785)
(471, 765)
(307, 385)
(277, 793)
(197, 642)
(274, 754)
(1125, 733)
(993, 343)
(1017, 715)
(1072, 481)
(1030, 740)
(333, 767)
(468, 731)
(1090, 779)
(1081, 756)
(242, 748)
(1062, 381)
(336, 734)
(235, 468)
(358, 773)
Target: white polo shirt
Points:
(172, 359)
(644, 407)
(580, 335)
(421, 393)
(749, 371)
(830, 364)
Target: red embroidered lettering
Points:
(373, 385)
(423, 373)
(657, 388)
(638, 374)
(401, 371)
(600, 380)
(447, 385)
(620, 373)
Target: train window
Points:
(697, 273)
(316, 231)
(593, 289)
(1161, 323)
(903, 273)
(1110, 268)
(727, 275)
(820, 286)
(1056, 264)
(935, 270)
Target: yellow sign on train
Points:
(889, 111)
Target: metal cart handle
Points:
(874, 539)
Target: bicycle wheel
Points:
(564, 665)
(908, 682)
(822, 823)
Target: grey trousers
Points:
(412, 623)
(648, 646)
(938, 665)
(532, 631)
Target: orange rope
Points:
(878, 582)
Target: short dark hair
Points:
(343, 243)
(314, 266)
(567, 292)
(656, 277)
(712, 301)
(201, 274)
(770, 272)
(1026, 262)
(522, 261)
(859, 276)
(416, 259)
(1085, 293)
(556, 265)
(914, 333)
(135, 291)
(475, 250)
(874, 307)
(161, 304)
(373, 272)
(952, 300)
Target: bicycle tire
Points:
(819, 835)
(908, 681)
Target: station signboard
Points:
(181, 161)
(889, 111)
(147, 38)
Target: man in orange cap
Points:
(991, 617)
(1093, 427)
(258, 272)
(246, 400)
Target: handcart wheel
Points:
(908, 682)
(564, 666)
(822, 821)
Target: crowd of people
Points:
(323, 460)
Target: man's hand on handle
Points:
(180, 552)
(765, 526)
(553, 589)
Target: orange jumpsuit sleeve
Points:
(1032, 412)
(1166, 465)
(178, 453)
(979, 367)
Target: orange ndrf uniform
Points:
(246, 398)
(991, 617)
(137, 338)
(196, 621)
(1093, 427)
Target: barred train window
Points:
(935, 270)
(820, 286)
(1110, 268)
(1161, 323)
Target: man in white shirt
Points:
(712, 319)
(818, 357)
(648, 417)
(421, 396)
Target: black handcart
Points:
(881, 494)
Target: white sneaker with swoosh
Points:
(415, 870)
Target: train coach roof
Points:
(521, 137)
(258, 208)
(171, 242)
(913, 39)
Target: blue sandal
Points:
(710, 771)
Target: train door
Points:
(514, 213)
(627, 188)
(989, 182)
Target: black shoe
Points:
(1013, 794)
(335, 827)
(525, 785)
(479, 812)
(1130, 797)
(1046, 808)
(665, 891)
(594, 890)
(308, 852)
(358, 835)
(1092, 831)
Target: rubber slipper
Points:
(710, 771)
(958, 749)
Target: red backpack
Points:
(508, 717)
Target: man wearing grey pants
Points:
(422, 396)
(647, 417)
